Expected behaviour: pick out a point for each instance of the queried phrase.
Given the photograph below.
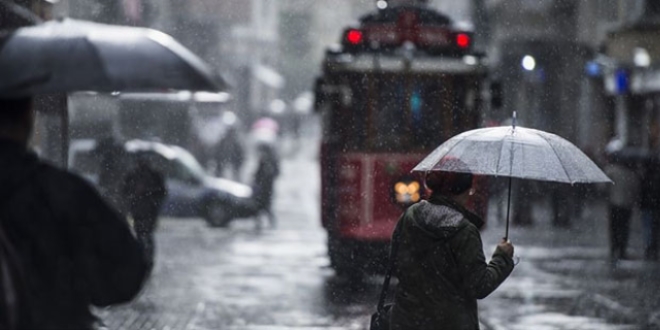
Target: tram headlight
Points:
(407, 192)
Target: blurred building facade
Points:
(584, 83)
(583, 69)
(544, 34)
(629, 58)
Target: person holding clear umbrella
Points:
(440, 262)
(441, 266)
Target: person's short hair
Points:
(450, 183)
(14, 110)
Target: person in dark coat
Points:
(264, 180)
(440, 262)
(650, 207)
(144, 189)
(623, 196)
(111, 154)
(75, 251)
(230, 152)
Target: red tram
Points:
(403, 81)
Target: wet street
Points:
(251, 276)
(564, 280)
(247, 277)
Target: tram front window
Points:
(397, 113)
(390, 115)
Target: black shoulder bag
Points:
(380, 320)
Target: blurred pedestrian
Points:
(564, 200)
(230, 152)
(110, 154)
(74, 249)
(650, 206)
(263, 184)
(524, 194)
(623, 195)
(440, 262)
(144, 189)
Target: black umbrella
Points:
(72, 55)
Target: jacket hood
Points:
(441, 218)
(17, 163)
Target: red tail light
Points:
(354, 37)
(463, 40)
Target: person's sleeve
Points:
(113, 263)
(479, 279)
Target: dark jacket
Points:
(264, 178)
(441, 268)
(75, 250)
(144, 189)
(650, 185)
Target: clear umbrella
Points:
(72, 55)
(514, 152)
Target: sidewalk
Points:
(564, 279)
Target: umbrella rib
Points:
(556, 155)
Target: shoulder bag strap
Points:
(396, 236)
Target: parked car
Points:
(191, 191)
(81, 153)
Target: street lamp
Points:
(528, 63)
(641, 57)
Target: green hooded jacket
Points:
(441, 267)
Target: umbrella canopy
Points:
(516, 152)
(71, 55)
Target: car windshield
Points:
(188, 161)
(399, 113)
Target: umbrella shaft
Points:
(508, 209)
